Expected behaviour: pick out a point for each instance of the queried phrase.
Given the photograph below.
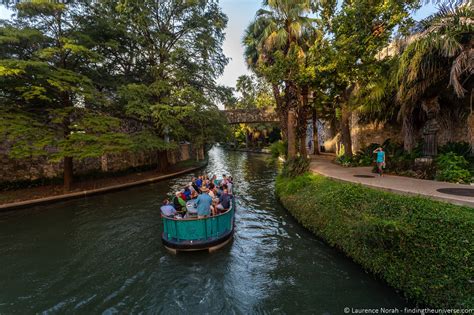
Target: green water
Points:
(103, 254)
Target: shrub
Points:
(399, 159)
(459, 148)
(345, 161)
(401, 162)
(419, 246)
(452, 168)
(295, 167)
(365, 156)
(278, 149)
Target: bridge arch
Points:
(250, 116)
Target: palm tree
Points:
(278, 29)
(255, 59)
(441, 55)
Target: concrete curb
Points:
(86, 193)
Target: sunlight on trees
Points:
(84, 79)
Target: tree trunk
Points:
(68, 173)
(408, 131)
(470, 123)
(346, 130)
(291, 134)
(282, 111)
(162, 161)
(201, 152)
(315, 132)
(291, 98)
(302, 130)
(303, 151)
(283, 114)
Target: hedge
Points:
(420, 246)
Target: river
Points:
(103, 254)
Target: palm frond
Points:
(464, 63)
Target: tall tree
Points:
(439, 55)
(180, 43)
(358, 31)
(259, 62)
(45, 80)
(277, 32)
(93, 78)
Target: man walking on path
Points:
(380, 160)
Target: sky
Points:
(240, 13)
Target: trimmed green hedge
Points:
(422, 247)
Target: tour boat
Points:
(193, 234)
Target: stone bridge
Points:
(249, 116)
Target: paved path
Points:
(397, 184)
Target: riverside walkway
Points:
(452, 193)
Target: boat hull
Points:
(210, 233)
(188, 246)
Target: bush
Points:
(345, 161)
(401, 162)
(452, 168)
(278, 149)
(295, 167)
(365, 156)
(459, 148)
(419, 246)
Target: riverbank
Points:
(21, 198)
(422, 247)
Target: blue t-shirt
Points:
(204, 202)
(380, 156)
(199, 183)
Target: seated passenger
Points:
(215, 181)
(167, 209)
(187, 193)
(204, 203)
(224, 180)
(215, 203)
(229, 187)
(199, 183)
(212, 190)
(195, 185)
(224, 200)
(179, 203)
(182, 195)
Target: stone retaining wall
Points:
(365, 134)
(39, 167)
